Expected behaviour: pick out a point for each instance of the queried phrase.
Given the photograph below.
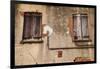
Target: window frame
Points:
(81, 27)
(32, 40)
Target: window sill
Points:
(30, 41)
(82, 40)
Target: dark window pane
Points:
(27, 27)
(36, 27)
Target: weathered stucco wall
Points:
(27, 53)
(59, 19)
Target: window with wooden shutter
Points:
(32, 27)
(80, 30)
(80, 26)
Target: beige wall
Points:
(39, 53)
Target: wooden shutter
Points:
(27, 26)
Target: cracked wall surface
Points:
(60, 19)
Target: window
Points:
(80, 26)
(32, 26)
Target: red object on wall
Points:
(59, 54)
